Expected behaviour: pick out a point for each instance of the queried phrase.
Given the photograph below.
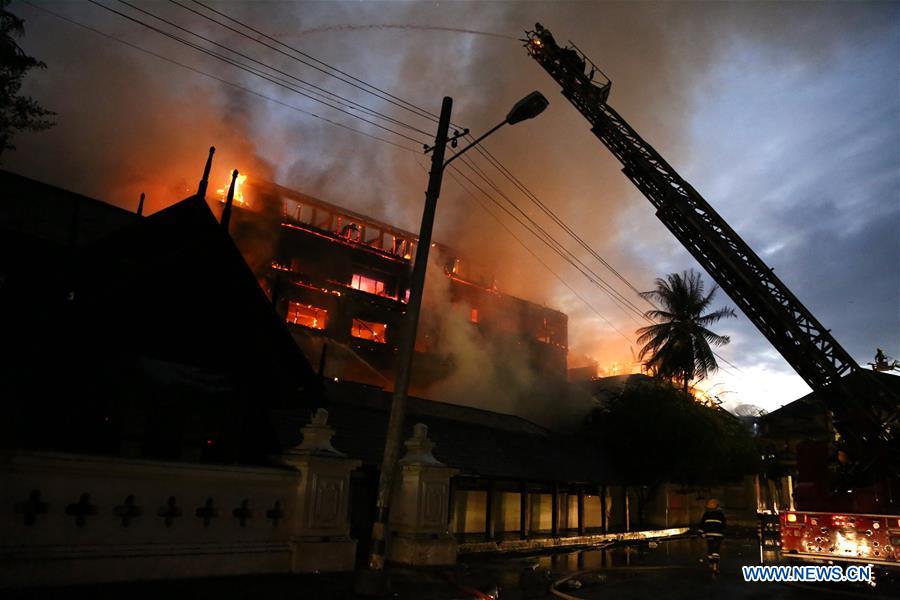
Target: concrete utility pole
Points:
(371, 581)
(408, 343)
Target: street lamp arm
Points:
(476, 142)
(527, 108)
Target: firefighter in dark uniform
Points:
(712, 527)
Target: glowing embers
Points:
(307, 315)
(474, 315)
(367, 284)
(369, 330)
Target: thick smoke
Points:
(487, 369)
(256, 224)
(129, 122)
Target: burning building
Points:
(179, 398)
(341, 280)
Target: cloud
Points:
(785, 116)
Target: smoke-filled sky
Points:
(785, 116)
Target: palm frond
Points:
(679, 345)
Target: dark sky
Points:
(785, 116)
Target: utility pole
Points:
(408, 344)
(371, 581)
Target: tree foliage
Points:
(656, 433)
(17, 112)
(679, 344)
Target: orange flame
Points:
(238, 191)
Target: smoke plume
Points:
(129, 122)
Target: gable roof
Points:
(158, 328)
(806, 415)
(52, 214)
(180, 284)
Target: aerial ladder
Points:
(861, 409)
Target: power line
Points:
(247, 69)
(216, 78)
(548, 242)
(540, 233)
(615, 294)
(387, 96)
(244, 35)
(519, 185)
(603, 284)
(527, 248)
(253, 60)
(548, 239)
(553, 216)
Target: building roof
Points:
(155, 329)
(190, 296)
(52, 214)
(806, 415)
(479, 443)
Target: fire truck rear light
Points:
(792, 518)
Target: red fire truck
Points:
(846, 537)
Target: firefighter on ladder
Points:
(712, 527)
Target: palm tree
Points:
(679, 344)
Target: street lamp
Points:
(528, 107)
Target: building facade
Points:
(342, 279)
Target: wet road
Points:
(669, 571)
(673, 570)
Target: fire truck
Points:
(862, 413)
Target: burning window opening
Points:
(238, 191)
(333, 237)
(369, 330)
(348, 227)
(307, 315)
(367, 284)
(474, 315)
(402, 247)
